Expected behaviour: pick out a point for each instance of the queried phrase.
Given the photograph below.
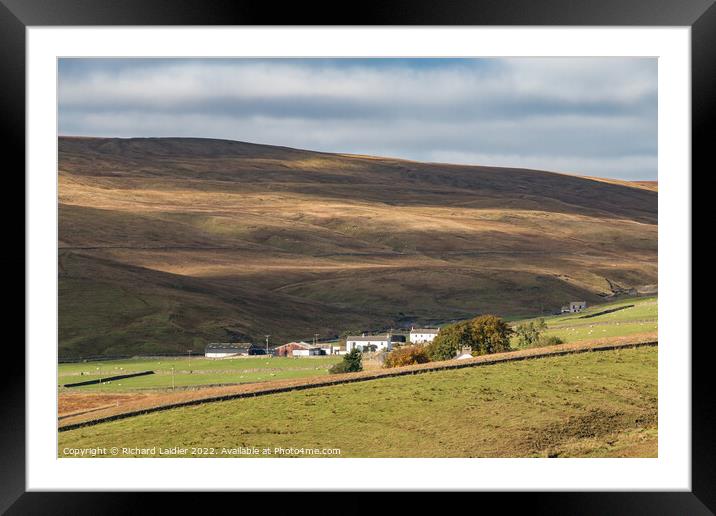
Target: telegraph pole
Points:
(267, 341)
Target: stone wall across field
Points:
(251, 390)
(108, 379)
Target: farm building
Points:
(574, 307)
(329, 349)
(256, 349)
(286, 350)
(231, 349)
(308, 352)
(225, 349)
(397, 339)
(369, 343)
(423, 335)
(304, 349)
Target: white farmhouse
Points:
(365, 343)
(423, 335)
(574, 307)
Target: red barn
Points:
(286, 350)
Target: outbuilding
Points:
(398, 339)
(225, 349)
(286, 350)
(309, 352)
(232, 349)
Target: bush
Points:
(552, 340)
(484, 334)
(352, 362)
(406, 355)
(338, 368)
(530, 335)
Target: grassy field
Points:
(600, 404)
(165, 244)
(589, 324)
(640, 318)
(189, 372)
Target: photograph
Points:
(357, 257)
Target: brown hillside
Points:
(167, 243)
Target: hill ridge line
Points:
(348, 155)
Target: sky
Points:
(589, 115)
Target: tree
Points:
(449, 341)
(530, 334)
(352, 362)
(490, 334)
(484, 334)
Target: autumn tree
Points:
(483, 335)
(489, 334)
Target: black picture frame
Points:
(17, 15)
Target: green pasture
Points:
(599, 404)
(589, 324)
(190, 372)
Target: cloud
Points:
(595, 116)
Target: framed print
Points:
(425, 249)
